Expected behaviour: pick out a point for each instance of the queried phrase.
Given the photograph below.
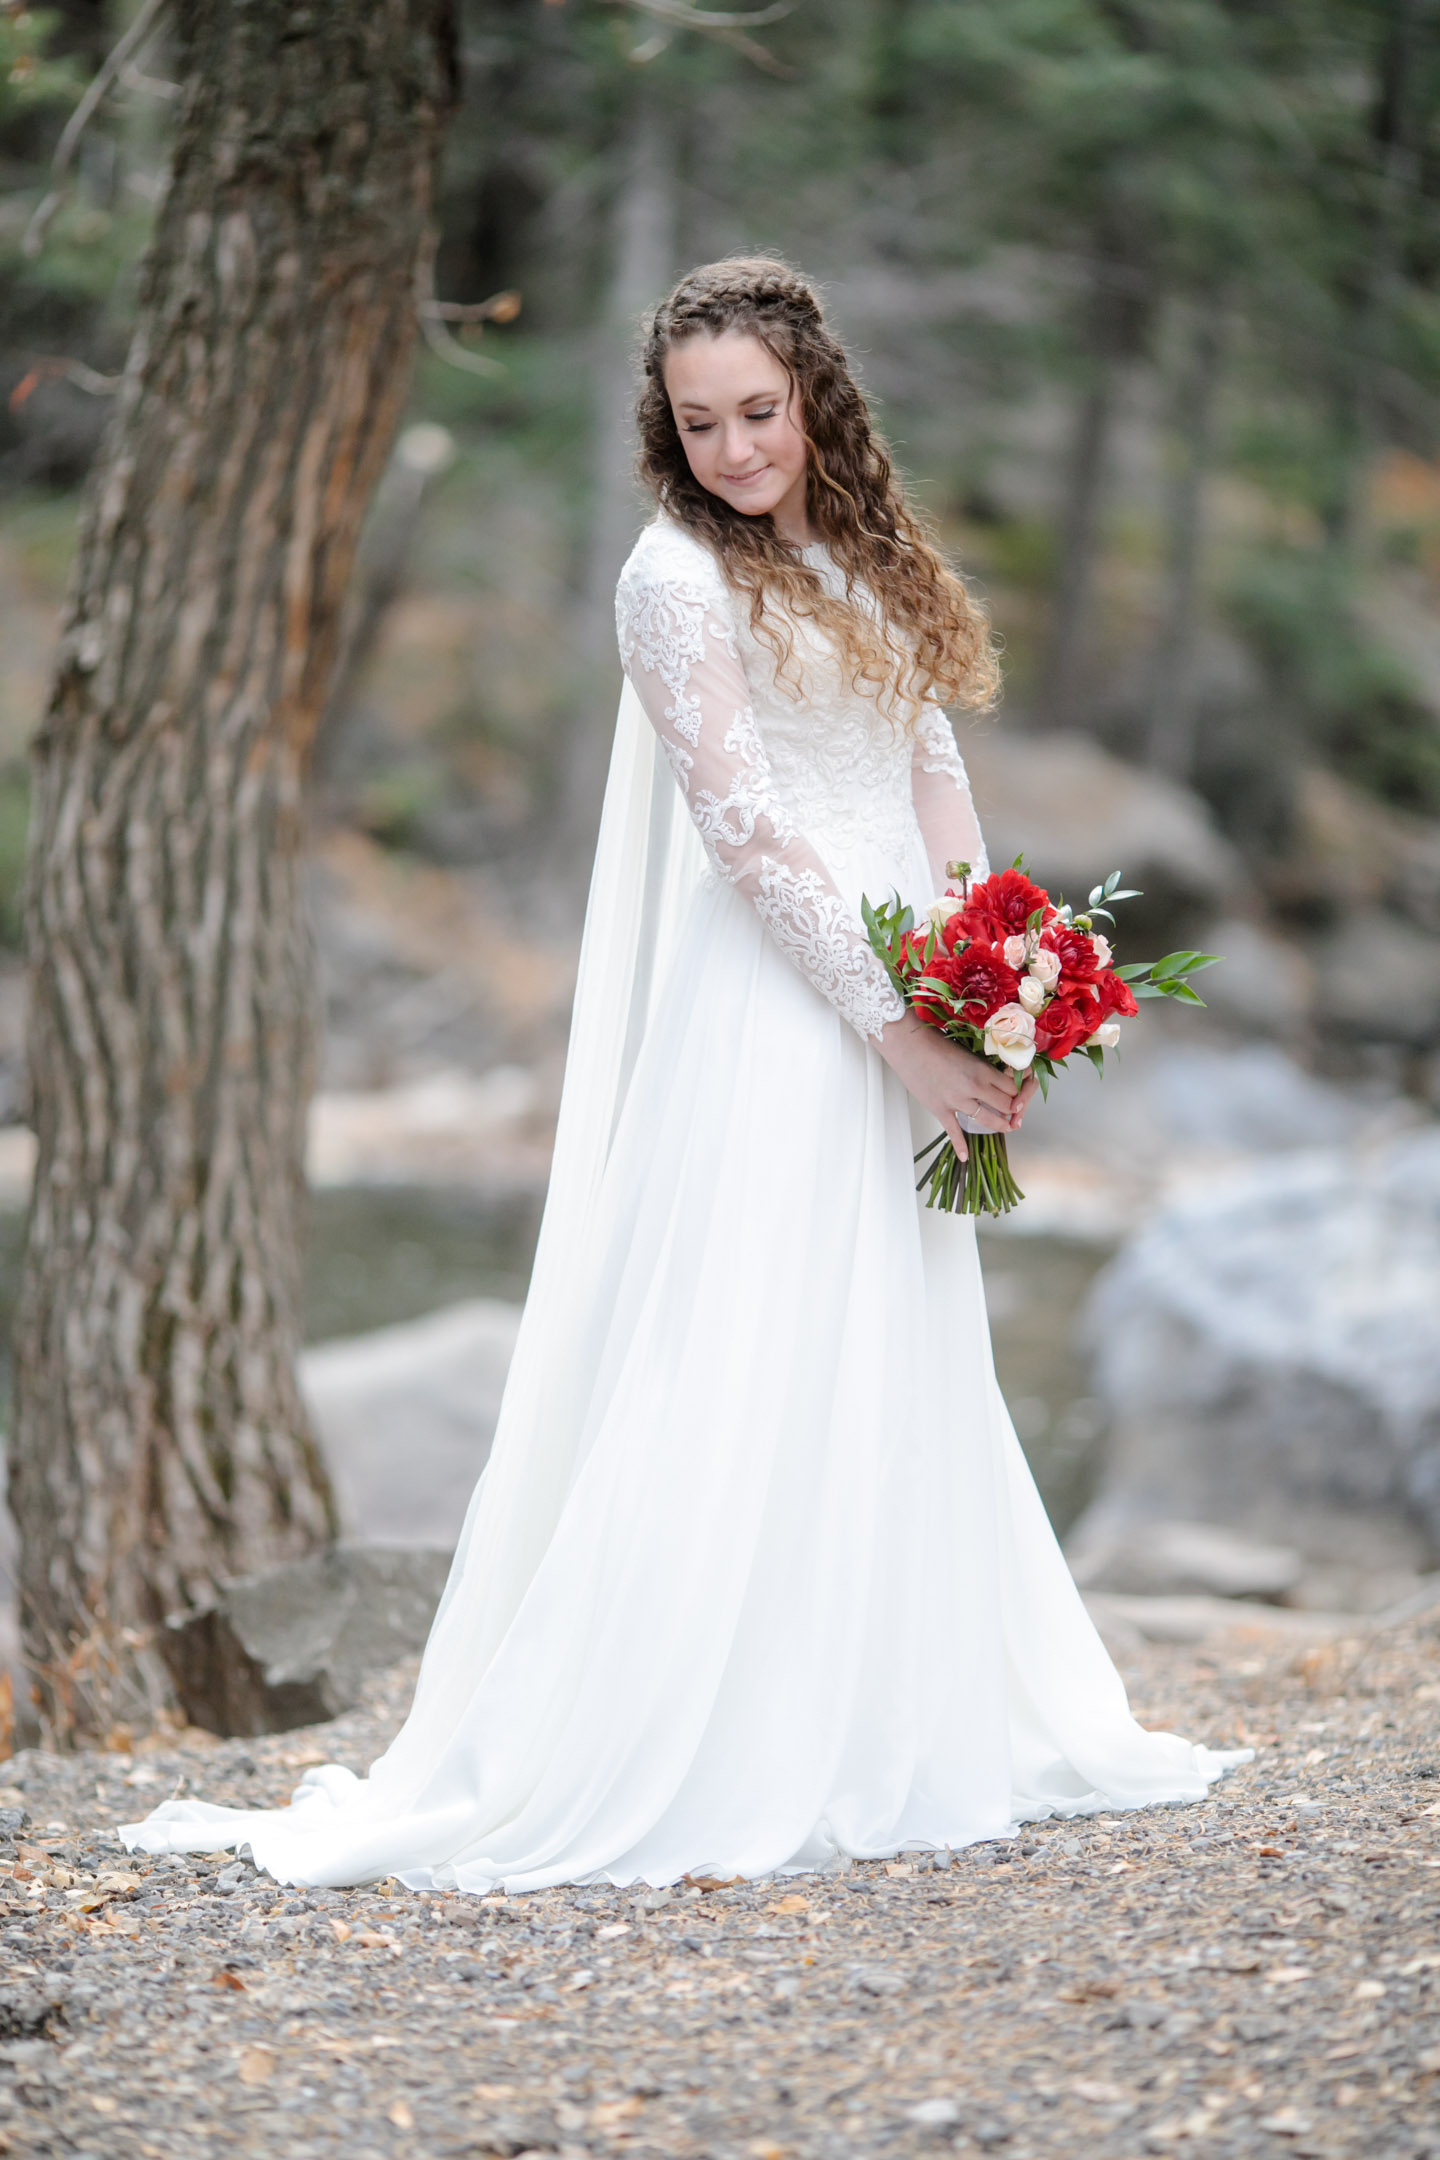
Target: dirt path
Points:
(1257, 1975)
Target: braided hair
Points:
(924, 637)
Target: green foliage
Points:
(1344, 689)
(14, 821)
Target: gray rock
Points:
(1077, 813)
(405, 1416)
(1269, 1354)
(1171, 1558)
(1382, 980)
(293, 1645)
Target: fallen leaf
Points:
(400, 2115)
(714, 1882)
(492, 2092)
(578, 1980)
(1088, 1991)
(1097, 2091)
(103, 2104)
(793, 1903)
(227, 1979)
(762, 2149)
(1369, 1990)
(343, 1930)
(898, 1867)
(369, 1940)
(1287, 1975)
(610, 2112)
(616, 1927)
(257, 2066)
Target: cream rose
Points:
(1108, 1035)
(939, 911)
(1045, 967)
(1032, 993)
(1102, 948)
(1010, 1034)
(1014, 950)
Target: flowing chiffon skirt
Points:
(791, 1594)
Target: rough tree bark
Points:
(160, 1442)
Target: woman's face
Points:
(739, 419)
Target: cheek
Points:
(791, 450)
(698, 453)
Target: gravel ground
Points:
(1256, 1975)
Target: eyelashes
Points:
(703, 427)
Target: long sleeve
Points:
(678, 646)
(943, 806)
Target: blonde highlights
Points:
(925, 637)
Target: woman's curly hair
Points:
(924, 637)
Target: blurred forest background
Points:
(1145, 292)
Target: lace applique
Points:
(681, 648)
(809, 921)
(661, 627)
(943, 802)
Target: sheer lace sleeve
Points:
(676, 626)
(941, 792)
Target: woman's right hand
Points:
(952, 1083)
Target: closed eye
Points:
(703, 427)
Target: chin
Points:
(749, 507)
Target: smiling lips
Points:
(744, 479)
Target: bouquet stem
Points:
(981, 1185)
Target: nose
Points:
(737, 446)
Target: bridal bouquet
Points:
(1023, 981)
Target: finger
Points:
(954, 1133)
(993, 1091)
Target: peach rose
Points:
(1045, 967)
(1010, 1035)
(1032, 993)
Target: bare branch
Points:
(692, 18)
(75, 371)
(110, 69)
(435, 314)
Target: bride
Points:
(757, 1578)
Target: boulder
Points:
(1268, 1352)
(1076, 813)
(294, 1645)
(1382, 980)
(1178, 1559)
(405, 1416)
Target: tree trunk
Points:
(1117, 313)
(1170, 692)
(160, 1441)
(641, 270)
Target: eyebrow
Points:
(694, 404)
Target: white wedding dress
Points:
(757, 1577)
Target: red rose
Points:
(1001, 906)
(1073, 950)
(1117, 999)
(1064, 1025)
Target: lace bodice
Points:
(792, 795)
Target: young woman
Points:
(756, 1578)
